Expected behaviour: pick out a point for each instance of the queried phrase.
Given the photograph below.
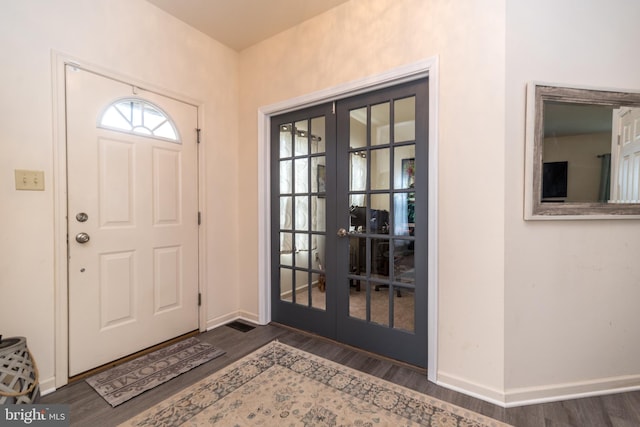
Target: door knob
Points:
(342, 232)
(82, 237)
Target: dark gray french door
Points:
(349, 220)
(303, 206)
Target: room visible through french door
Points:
(349, 220)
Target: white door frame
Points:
(61, 286)
(424, 68)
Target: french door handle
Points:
(342, 232)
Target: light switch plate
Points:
(29, 180)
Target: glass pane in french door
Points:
(302, 212)
(382, 190)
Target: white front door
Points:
(132, 191)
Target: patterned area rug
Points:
(121, 383)
(281, 386)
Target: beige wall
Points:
(129, 37)
(572, 322)
(367, 37)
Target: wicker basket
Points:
(18, 372)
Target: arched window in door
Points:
(140, 117)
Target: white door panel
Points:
(135, 282)
(626, 188)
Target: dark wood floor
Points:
(89, 409)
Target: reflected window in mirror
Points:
(583, 153)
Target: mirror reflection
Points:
(586, 154)
(577, 143)
(584, 147)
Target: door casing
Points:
(425, 68)
(61, 336)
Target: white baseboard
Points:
(469, 388)
(541, 394)
(236, 315)
(47, 386)
(576, 390)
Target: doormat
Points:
(278, 385)
(123, 382)
(242, 327)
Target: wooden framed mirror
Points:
(582, 153)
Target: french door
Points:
(349, 220)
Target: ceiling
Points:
(243, 23)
